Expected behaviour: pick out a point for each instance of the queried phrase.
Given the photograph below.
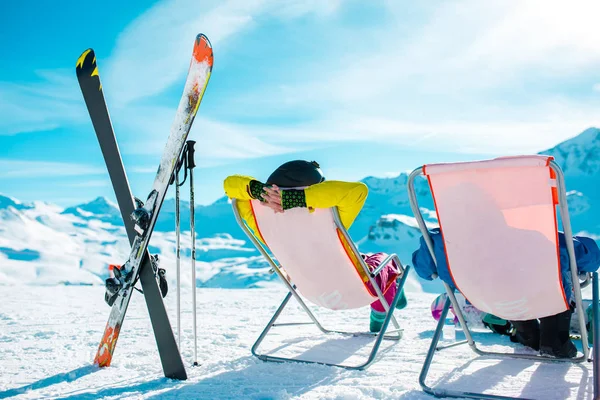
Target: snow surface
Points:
(48, 337)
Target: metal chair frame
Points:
(395, 334)
(564, 214)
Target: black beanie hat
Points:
(296, 173)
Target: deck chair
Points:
(308, 255)
(498, 222)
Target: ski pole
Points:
(177, 258)
(175, 179)
(191, 164)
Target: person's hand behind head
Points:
(272, 198)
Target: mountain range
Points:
(42, 243)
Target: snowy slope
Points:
(49, 335)
(43, 244)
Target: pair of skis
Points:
(140, 226)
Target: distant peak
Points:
(590, 135)
(579, 155)
(222, 200)
(100, 207)
(590, 131)
(392, 185)
(8, 201)
(386, 177)
(99, 201)
(4, 197)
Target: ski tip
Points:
(86, 66)
(203, 50)
(85, 58)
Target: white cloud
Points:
(517, 130)
(535, 32)
(297, 8)
(463, 76)
(463, 48)
(153, 53)
(487, 77)
(25, 169)
(218, 140)
(150, 56)
(52, 101)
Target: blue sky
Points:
(365, 88)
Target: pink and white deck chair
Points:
(314, 264)
(498, 221)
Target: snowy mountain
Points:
(388, 196)
(400, 234)
(6, 202)
(101, 209)
(44, 244)
(579, 156)
(210, 220)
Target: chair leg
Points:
(439, 392)
(596, 333)
(429, 358)
(432, 349)
(392, 307)
(389, 317)
(269, 326)
(379, 338)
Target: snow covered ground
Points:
(49, 334)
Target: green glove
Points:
(256, 189)
(293, 198)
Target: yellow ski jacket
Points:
(349, 197)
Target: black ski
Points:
(89, 81)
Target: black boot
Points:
(527, 333)
(160, 274)
(162, 282)
(113, 286)
(554, 336)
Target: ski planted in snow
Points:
(91, 88)
(145, 217)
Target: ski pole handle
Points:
(190, 154)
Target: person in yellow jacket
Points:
(301, 183)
